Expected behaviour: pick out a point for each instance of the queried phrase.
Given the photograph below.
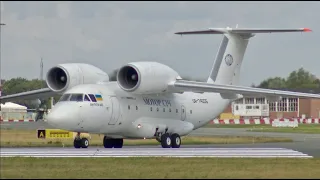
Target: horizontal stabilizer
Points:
(243, 30)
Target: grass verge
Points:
(303, 128)
(28, 138)
(160, 168)
(306, 130)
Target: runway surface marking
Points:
(154, 152)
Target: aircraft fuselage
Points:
(120, 114)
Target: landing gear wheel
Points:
(84, 143)
(175, 140)
(107, 143)
(81, 143)
(77, 143)
(118, 143)
(166, 141)
(112, 143)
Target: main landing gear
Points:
(112, 143)
(79, 142)
(168, 141)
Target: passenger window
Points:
(129, 107)
(169, 109)
(136, 107)
(176, 110)
(150, 108)
(64, 97)
(86, 98)
(190, 111)
(76, 97)
(157, 109)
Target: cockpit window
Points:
(93, 99)
(76, 97)
(86, 98)
(64, 97)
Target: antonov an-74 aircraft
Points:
(149, 99)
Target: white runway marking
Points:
(154, 152)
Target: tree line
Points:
(300, 79)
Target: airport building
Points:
(257, 107)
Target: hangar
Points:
(257, 107)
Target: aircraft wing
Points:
(29, 95)
(232, 91)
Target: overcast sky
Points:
(110, 34)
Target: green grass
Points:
(28, 138)
(160, 168)
(302, 128)
(308, 129)
(235, 125)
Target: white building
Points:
(13, 111)
(259, 107)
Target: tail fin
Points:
(226, 68)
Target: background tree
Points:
(302, 79)
(18, 85)
(299, 79)
(273, 83)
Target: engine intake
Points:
(64, 76)
(129, 78)
(145, 77)
(57, 79)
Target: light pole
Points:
(1, 24)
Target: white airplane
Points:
(149, 99)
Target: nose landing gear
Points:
(79, 142)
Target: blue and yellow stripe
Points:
(98, 97)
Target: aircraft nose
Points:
(62, 116)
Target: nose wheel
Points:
(168, 141)
(79, 142)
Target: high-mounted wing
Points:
(183, 86)
(35, 94)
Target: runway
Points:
(155, 152)
(306, 143)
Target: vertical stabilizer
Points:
(227, 65)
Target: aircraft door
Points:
(115, 110)
(183, 113)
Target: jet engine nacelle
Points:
(145, 77)
(64, 76)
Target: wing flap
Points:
(182, 85)
(34, 94)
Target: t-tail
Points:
(226, 68)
